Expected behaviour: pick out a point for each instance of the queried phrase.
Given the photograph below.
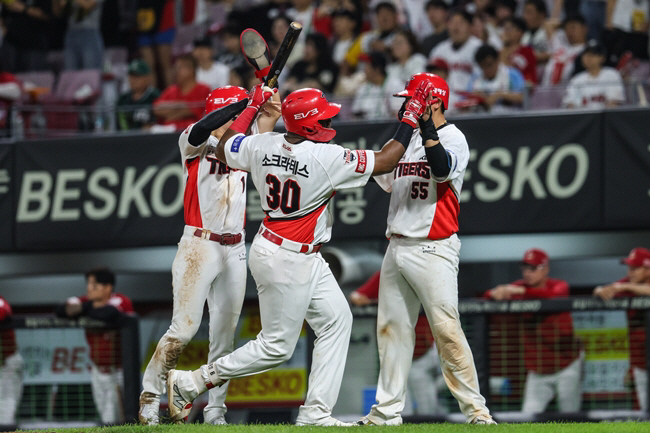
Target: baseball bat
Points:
(284, 51)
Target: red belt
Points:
(304, 248)
(225, 239)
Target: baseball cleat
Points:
(366, 421)
(327, 422)
(181, 391)
(149, 408)
(483, 420)
(220, 420)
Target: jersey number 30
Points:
(285, 196)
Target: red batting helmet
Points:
(440, 87)
(222, 96)
(302, 110)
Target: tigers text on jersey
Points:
(422, 206)
(297, 181)
(215, 194)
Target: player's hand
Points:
(607, 292)
(359, 299)
(273, 107)
(73, 307)
(417, 105)
(259, 94)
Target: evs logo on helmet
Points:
(225, 100)
(306, 114)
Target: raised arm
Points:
(387, 158)
(258, 96)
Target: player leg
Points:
(422, 383)
(284, 287)
(431, 268)
(196, 265)
(11, 388)
(110, 405)
(641, 386)
(330, 317)
(569, 386)
(225, 301)
(538, 392)
(396, 318)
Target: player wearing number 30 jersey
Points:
(420, 267)
(297, 174)
(211, 260)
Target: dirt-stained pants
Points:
(202, 269)
(419, 272)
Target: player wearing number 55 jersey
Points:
(211, 260)
(297, 174)
(420, 267)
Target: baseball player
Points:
(211, 260)
(420, 267)
(421, 392)
(11, 370)
(297, 173)
(106, 380)
(637, 283)
(551, 351)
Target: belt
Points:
(224, 239)
(296, 247)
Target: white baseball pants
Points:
(11, 388)
(422, 272)
(293, 287)
(641, 386)
(202, 269)
(540, 389)
(106, 385)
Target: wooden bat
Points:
(256, 51)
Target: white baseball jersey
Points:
(297, 181)
(461, 61)
(587, 91)
(422, 206)
(215, 194)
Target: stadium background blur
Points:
(89, 176)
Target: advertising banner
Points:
(6, 212)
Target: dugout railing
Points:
(606, 337)
(56, 365)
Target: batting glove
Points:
(259, 94)
(417, 105)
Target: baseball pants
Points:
(641, 386)
(293, 287)
(202, 269)
(11, 388)
(419, 272)
(540, 389)
(106, 384)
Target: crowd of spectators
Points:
(495, 53)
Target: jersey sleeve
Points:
(385, 181)
(187, 150)
(239, 151)
(347, 168)
(458, 154)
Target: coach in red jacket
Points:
(637, 283)
(551, 352)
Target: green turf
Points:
(601, 427)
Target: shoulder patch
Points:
(236, 143)
(348, 156)
(361, 163)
